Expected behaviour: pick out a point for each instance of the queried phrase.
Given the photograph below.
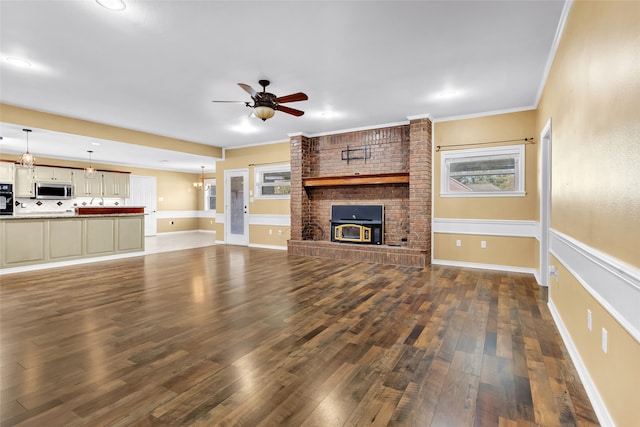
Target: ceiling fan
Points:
(265, 104)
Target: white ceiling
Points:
(156, 66)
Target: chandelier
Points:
(202, 185)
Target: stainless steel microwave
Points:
(53, 191)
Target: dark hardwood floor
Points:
(230, 336)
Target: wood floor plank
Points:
(227, 335)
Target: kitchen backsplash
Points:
(31, 206)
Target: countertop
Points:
(79, 212)
(61, 215)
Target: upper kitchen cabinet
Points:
(7, 171)
(52, 174)
(115, 184)
(86, 187)
(24, 179)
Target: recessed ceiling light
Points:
(328, 114)
(18, 62)
(447, 94)
(116, 5)
(95, 143)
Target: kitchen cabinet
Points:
(23, 241)
(86, 187)
(65, 239)
(115, 184)
(7, 171)
(53, 174)
(24, 180)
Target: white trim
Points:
(183, 214)
(554, 48)
(275, 220)
(262, 219)
(497, 267)
(486, 227)
(614, 284)
(592, 391)
(485, 114)
(256, 245)
(545, 201)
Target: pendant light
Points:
(201, 185)
(27, 159)
(90, 172)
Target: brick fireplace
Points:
(389, 166)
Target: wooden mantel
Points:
(382, 178)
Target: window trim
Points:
(258, 175)
(211, 181)
(517, 151)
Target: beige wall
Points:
(484, 129)
(500, 250)
(592, 96)
(246, 158)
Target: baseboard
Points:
(497, 267)
(594, 397)
(280, 248)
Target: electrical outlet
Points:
(279, 232)
(589, 320)
(483, 244)
(605, 341)
(458, 242)
(270, 231)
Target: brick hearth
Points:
(395, 152)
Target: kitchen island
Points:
(34, 239)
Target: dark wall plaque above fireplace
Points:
(357, 224)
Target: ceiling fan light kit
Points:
(265, 104)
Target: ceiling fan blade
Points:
(292, 98)
(248, 89)
(288, 110)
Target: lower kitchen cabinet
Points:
(32, 241)
(23, 241)
(100, 236)
(65, 239)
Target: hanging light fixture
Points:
(27, 159)
(201, 185)
(263, 112)
(90, 172)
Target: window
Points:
(210, 195)
(273, 182)
(483, 172)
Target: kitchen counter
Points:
(47, 237)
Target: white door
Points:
(236, 207)
(545, 202)
(143, 193)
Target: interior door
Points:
(143, 193)
(236, 207)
